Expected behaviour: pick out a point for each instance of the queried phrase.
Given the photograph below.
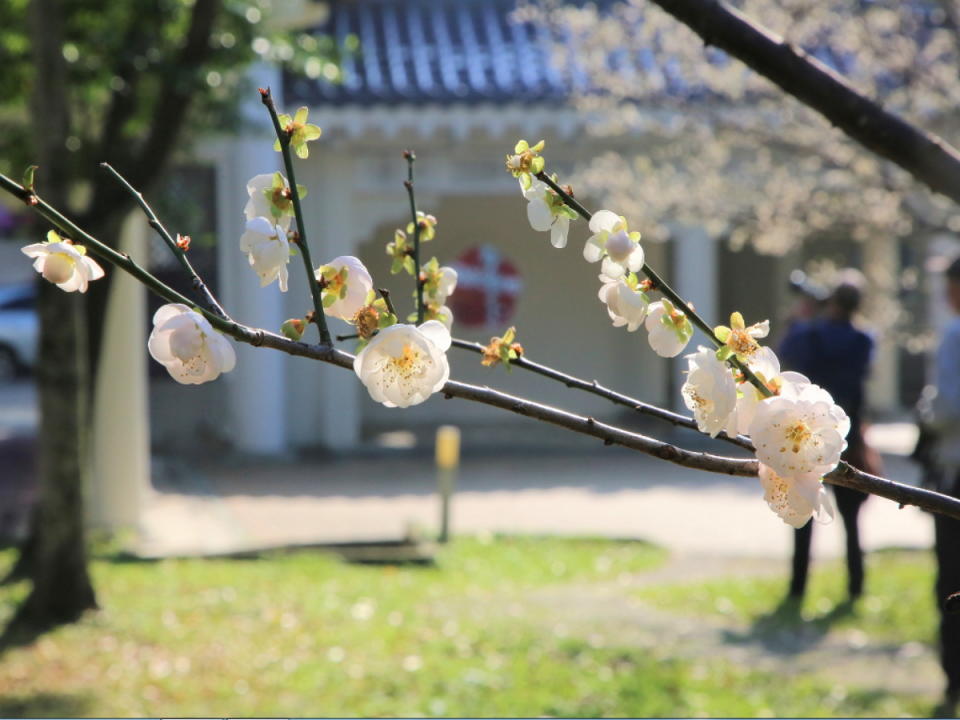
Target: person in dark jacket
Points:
(836, 355)
(946, 424)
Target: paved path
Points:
(611, 493)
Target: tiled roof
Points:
(436, 51)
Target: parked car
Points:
(19, 327)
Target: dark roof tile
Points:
(440, 51)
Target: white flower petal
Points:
(261, 225)
(539, 215)
(612, 269)
(436, 333)
(94, 271)
(592, 250)
(403, 365)
(167, 312)
(603, 220)
(559, 232)
(184, 342)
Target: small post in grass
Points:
(448, 459)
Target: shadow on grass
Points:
(784, 630)
(44, 705)
(407, 552)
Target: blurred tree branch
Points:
(924, 155)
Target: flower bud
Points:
(293, 328)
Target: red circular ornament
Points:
(488, 286)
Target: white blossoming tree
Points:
(727, 147)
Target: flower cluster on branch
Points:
(734, 387)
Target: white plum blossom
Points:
(546, 211)
(347, 287)
(668, 329)
(403, 365)
(710, 392)
(186, 344)
(741, 339)
(446, 284)
(795, 499)
(766, 366)
(626, 305)
(64, 264)
(268, 199)
(620, 249)
(801, 431)
(445, 315)
(268, 251)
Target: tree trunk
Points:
(58, 564)
(57, 561)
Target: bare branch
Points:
(595, 388)
(180, 253)
(924, 155)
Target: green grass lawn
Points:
(304, 634)
(897, 606)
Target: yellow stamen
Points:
(798, 434)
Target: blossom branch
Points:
(180, 253)
(411, 158)
(924, 155)
(283, 137)
(663, 288)
(844, 475)
(613, 396)
(124, 262)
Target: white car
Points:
(19, 327)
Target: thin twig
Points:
(411, 158)
(844, 475)
(284, 138)
(198, 285)
(595, 388)
(385, 294)
(663, 288)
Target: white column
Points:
(695, 279)
(256, 400)
(881, 265)
(120, 481)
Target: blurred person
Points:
(836, 355)
(946, 423)
(808, 299)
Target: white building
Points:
(459, 82)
